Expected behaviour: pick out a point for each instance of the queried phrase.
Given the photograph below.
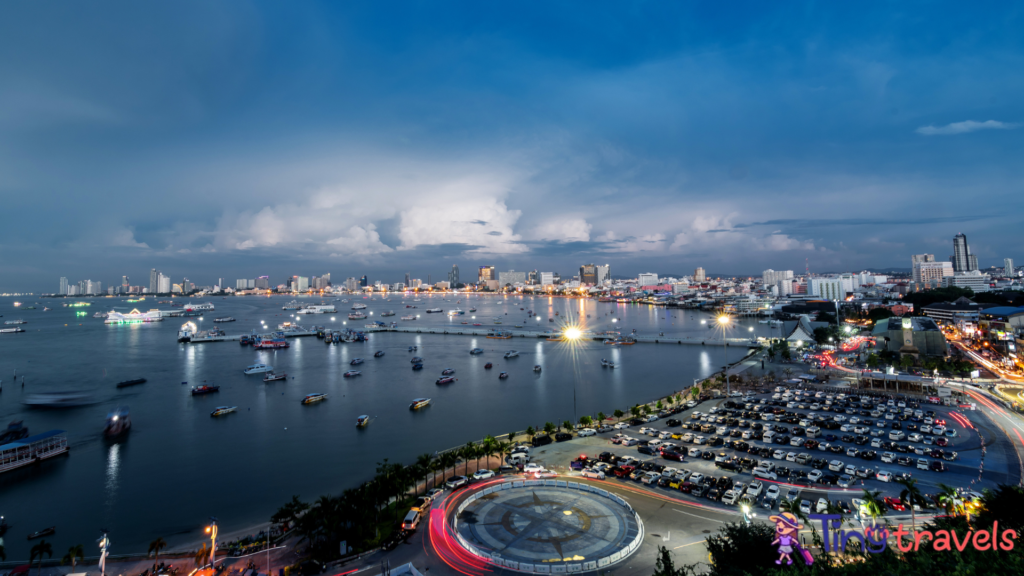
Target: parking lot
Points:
(852, 445)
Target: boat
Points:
(45, 309)
(226, 319)
(413, 348)
(488, 366)
(477, 324)
(464, 322)
(445, 380)
(128, 383)
(244, 340)
(31, 450)
(359, 306)
(293, 305)
(14, 330)
(409, 317)
(416, 359)
(258, 369)
(417, 366)
(190, 307)
(388, 313)
(519, 326)
(356, 316)
(271, 377)
(378, 353)
(11, 322)
(352, 373)
(270, 343)
(476, 351)
(58, 399)
(606, 364)
(15, 431)
(448, 371)
(434, 310)
(419, 403)
(204, 389)
(44, 532)
(222, 410)
(318, 309)
(314, 398)
(362, 421)
(356, 362)
(471, 310)
(455, 312)
(537, 368)
(375, 325)
(503, 375)
(118, 422)
(187, 331)
(511, 354)
(100, 315)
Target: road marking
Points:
(690, 544)
(701, 517)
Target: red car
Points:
(895, 504)
(623, 471)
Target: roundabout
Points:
(544, 526)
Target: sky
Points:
(237, 139)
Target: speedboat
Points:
(476, 351)
(271, 377)
(417, 366)
(471, 310)
(222, 410)
(416, 359)
(488, 366)
(419, 403)
(445, 380)
(378, 353)
(313, 398)
(204, 389)
(503, 375)
(448, 371)
(118, 422)
(228, 319)
(362, 421)
(537, 368)
(511, 354)
(352, 373)
(356, 362)
(258, 369)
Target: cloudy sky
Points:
(244, 138)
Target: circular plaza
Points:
(547, 526)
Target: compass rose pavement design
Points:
(547, 524)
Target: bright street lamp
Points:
(212, 531)
(573, 333)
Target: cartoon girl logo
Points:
(787, 527)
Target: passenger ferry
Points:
(362, 421)
(133, 317)
(33, 449)
(318, 309)
(293, 305)
(258, 369)
(187, 331)
(314, 398)
(419, 403)
(222, 410)
(190, 307)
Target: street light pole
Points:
(212, 531)
(104, 545)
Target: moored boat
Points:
(227, 319)
(314, 398)
(537, 368)
(258, 369)
(445, 380)
(503, 375)
(356, 362)
(204, 389)
(606, 364)
(271, 377)
(222, 410)
(419, 403)
(416, 359)
(434, 310)
(448, 371)
(488, 366)
(417, 366)
(44, 532)
(476, 351)
(362, 421)
(409, 317)
(511, 354)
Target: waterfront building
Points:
(772, 278)
(604, 274)
(647, 279)
(827, 288)
(263, 283)
(163, 283)
(364, 282)
(153, 276)
(699, 276)
(63, 285)
(453, 276)
(511, 278)
(588, 274)
(244, 284)
(962, 259)
(486, 273)
(930, 274)
(1008, 269)
(407, 278)
(547, 278)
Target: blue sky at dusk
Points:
(238, 139)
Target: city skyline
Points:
(449, 135)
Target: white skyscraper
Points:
(647, 279)
(1008, 267)
(772, 277)
(827, 288)
(547, 278)
(163, 283)
(63, 285)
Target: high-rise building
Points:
(511, 277)
(588, 275)
(300, 283)
(699, 275)
(364, 282)
(125, 283)
(63, 285)
(1008, 269)
(532, 277)
(772, 277)
(453, 276)
(922, 258)
(263, 283)
(163, 284)
(153, 275)
(407, 277)
(962, 259)
(827, 288)
(486, 273)
(647, 279)
(930, 274)
(351, 284)
(604, 273)
(547, 278)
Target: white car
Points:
(765, 473)
(772, 492)
(646, 430)
(586, 432)
(665, 435)
(694, 453)
(926, 429)
(779, 455)
(791, 457)
(688, 437)
(699, 440)
(822, 505)
(836, 465)
(595, 474)
(483, 474)
(815, 475)
(884, 476)
(696, 478)
(654, 443)
(915, 437)
(888, 457)
(805, 506)
(652, 417)
(938, 430)
(621, 426)
(532, 467)
(650, 478)
(730, 497)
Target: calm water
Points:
(178, 466)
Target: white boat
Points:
(409, 317)
(434, 310)
(356, 316)
(100, 315)
(476, 351)
(258, 369)
(318, 309)
(315, 397)
(14, 330)
(293, 305)
(362, 421)
(359, 306)
(15, 322)
(222, 410)
(201, 307)
(33, 449)
(511, 354)
(133, 317)
(537, 368)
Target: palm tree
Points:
(39, 550)
(948, 497)
(873, 505)
(467, 453)
(201, 555)
(74, 553)
(448, 460)
(423, 464)
(500, 449)
(155, 547)
(911, 495)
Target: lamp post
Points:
(212, 531)
(104, 543)
(723, 322)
